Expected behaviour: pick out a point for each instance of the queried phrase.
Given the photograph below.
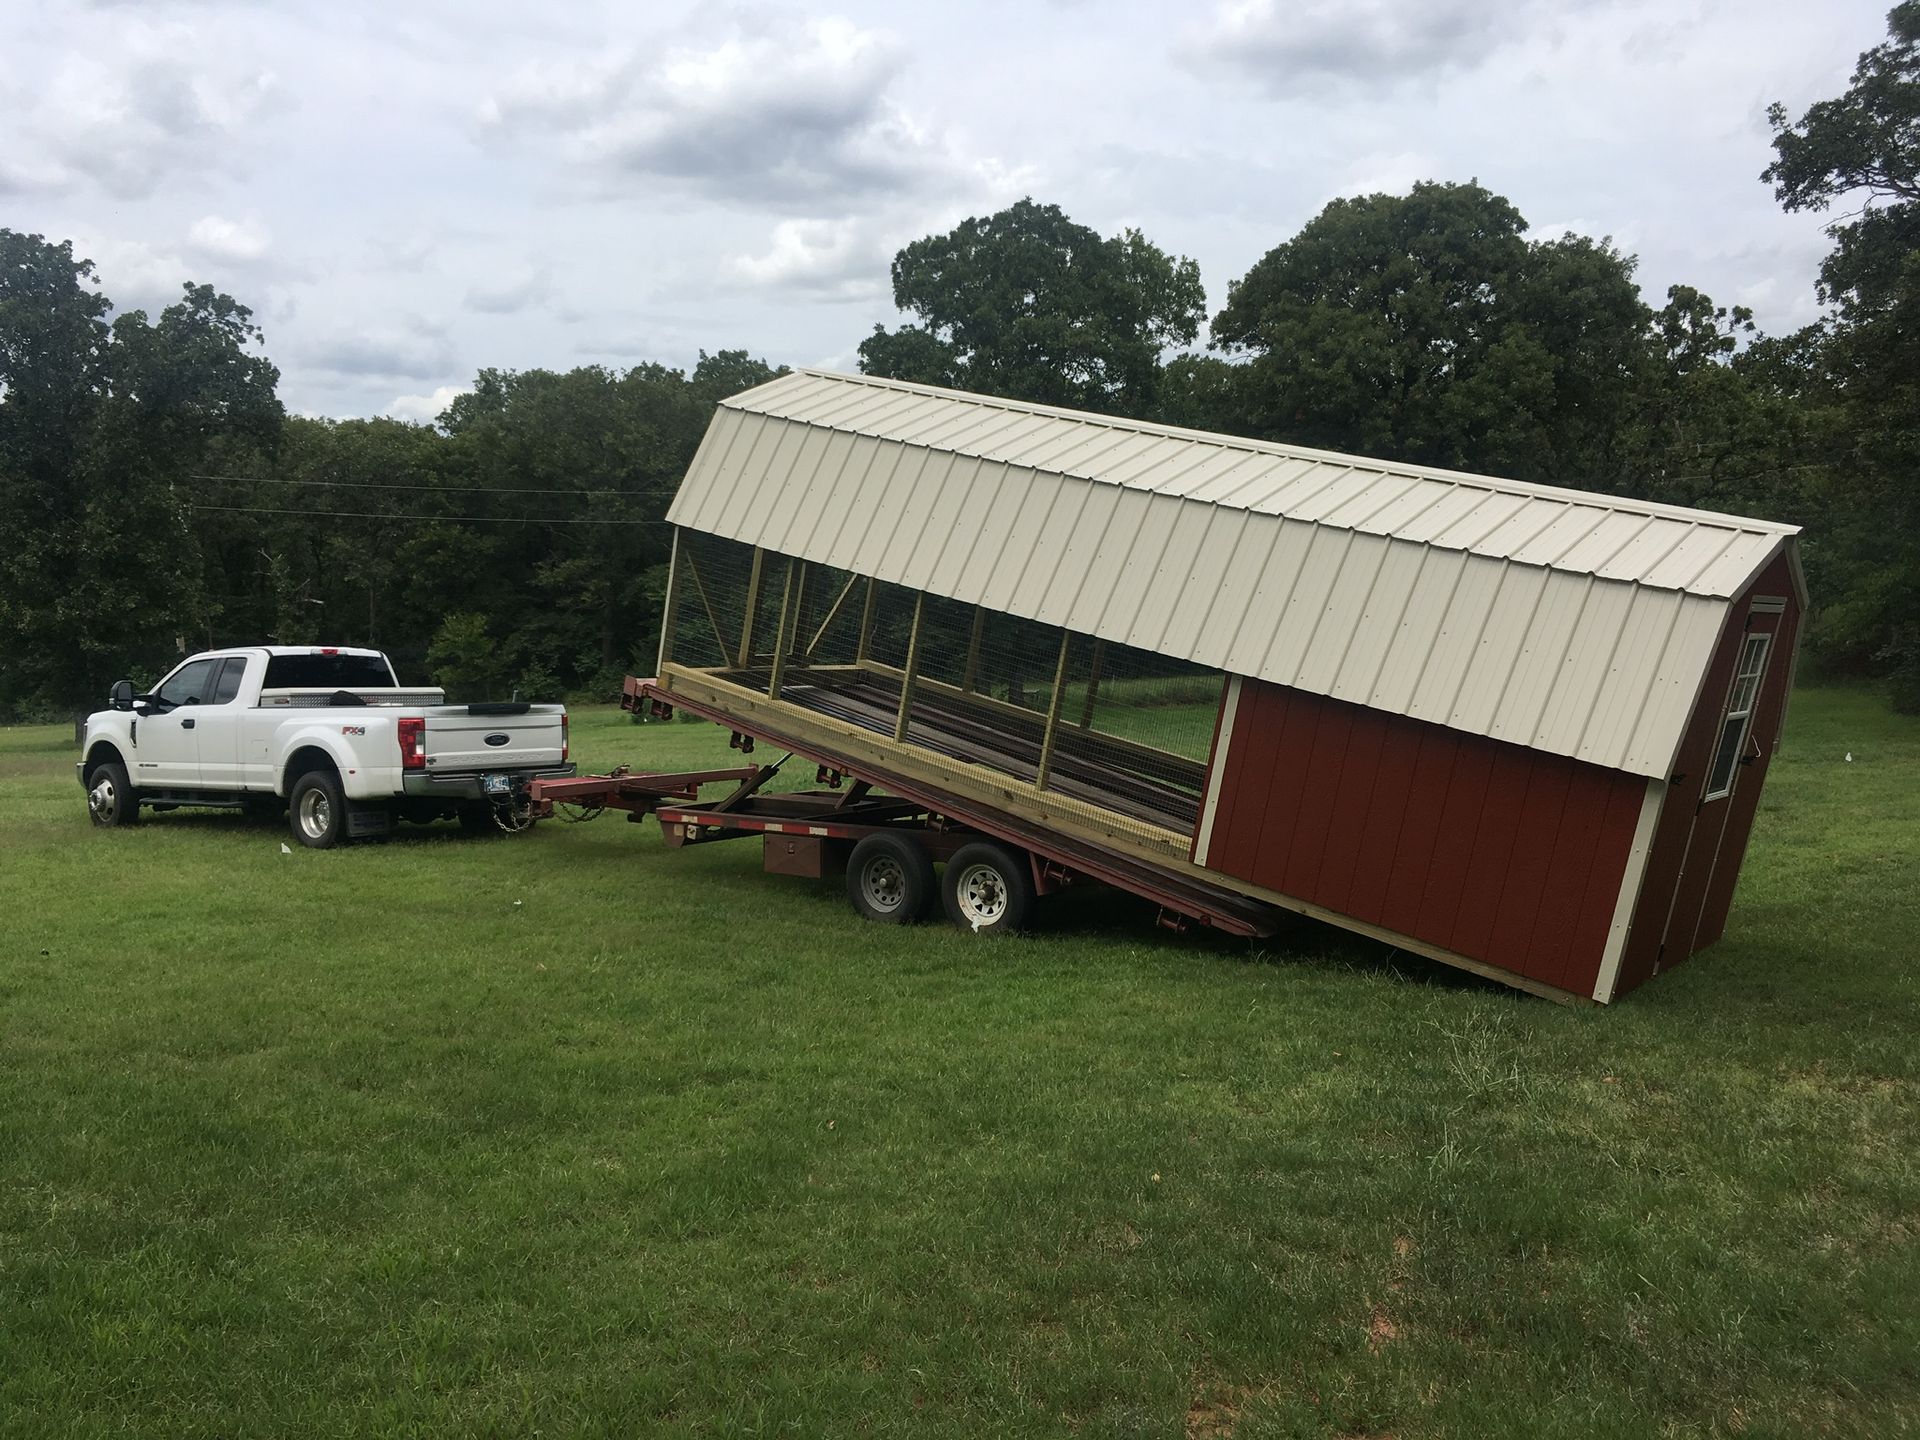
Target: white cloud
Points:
(414, 352)
(509, 294)
(425, 409)
(832, 258)
(785, 111)
(133, 274)
(1284, 47)
(160, 104)
(237, 242)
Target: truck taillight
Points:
(413, 742)
(563, 740)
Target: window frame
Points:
(1743, 698)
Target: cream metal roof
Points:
(1558, 619)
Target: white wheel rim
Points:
(100, 798)
(316, 814)
(982, 893)
(884, 883)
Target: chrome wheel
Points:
(100, 800)
(981, 892)
(884, 884)
(316, 814)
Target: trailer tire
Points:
(988, 888)
(890, 879)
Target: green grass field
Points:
(570, 1134)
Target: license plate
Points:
(496, 784)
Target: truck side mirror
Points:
(120, 697)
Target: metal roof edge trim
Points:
(1374, 464)
(1788, 538)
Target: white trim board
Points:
(1630, 883)
(1221, 749)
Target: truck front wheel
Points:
(110, 797)
(317, 810)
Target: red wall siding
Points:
(1696, 853)
(1507, 855)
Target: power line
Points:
(421, 519)
(374, 485)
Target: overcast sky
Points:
(405, 192)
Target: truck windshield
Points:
(326, 672)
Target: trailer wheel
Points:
(889, 879)
(988, 888)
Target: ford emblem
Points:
(498, 739)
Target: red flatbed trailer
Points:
(887, 830)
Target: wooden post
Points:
(789, 620)
(913, 667)
(866, 620)
(1053, 712)
(973, 649)
(1093, 685)
(753, 604)
(670, 612)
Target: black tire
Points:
(988, 888)
(890, 879)
(111, 798)
(317, 810)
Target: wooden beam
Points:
(719, 635)
(1093, 685)
(1048, 735)
(753, 604)
(833, 614)
(789, 620)
(866, 619)
(973, 649)
(913, 667)
(670, 611)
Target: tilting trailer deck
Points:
(886, 831)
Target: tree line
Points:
(154, 495)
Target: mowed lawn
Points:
(571, 1134)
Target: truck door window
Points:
(226, 684)
(189, 685)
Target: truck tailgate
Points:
(460, 740)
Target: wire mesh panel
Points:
(710, 587)
(1123, 730)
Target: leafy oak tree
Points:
(1862, 149)
(102, 431)
(1027, 304)
(1427, 328)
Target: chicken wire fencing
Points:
(1119, 728)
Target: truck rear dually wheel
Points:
(317, 810)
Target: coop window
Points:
(1739, 720)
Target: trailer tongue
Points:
(886, 831)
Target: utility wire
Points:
(375, 485)
(421, 519)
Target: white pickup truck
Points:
(328, 733)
